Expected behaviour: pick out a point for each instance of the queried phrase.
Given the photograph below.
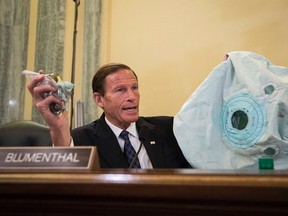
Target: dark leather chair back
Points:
(24, 133)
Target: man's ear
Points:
(98, 99)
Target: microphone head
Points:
(143, 133)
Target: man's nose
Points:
(131, 94)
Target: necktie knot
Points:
(124, 135)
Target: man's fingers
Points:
(34, 82)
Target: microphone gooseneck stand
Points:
(136, 155)
(77, 3)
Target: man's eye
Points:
(135, 87)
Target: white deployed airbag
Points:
(237, 115)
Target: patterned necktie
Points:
(129, 151)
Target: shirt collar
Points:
(116, 130)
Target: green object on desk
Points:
(266, 163)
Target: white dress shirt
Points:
(134, 139)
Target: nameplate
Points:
(49, 158)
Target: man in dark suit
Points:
(119, 129)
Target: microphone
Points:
(143, 132)
(77, 2)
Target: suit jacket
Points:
(157, 136)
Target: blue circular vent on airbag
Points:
(242, 120)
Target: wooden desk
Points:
(145, 192)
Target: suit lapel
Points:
(151, 142)
(107, 145)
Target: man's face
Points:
(121, 99)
